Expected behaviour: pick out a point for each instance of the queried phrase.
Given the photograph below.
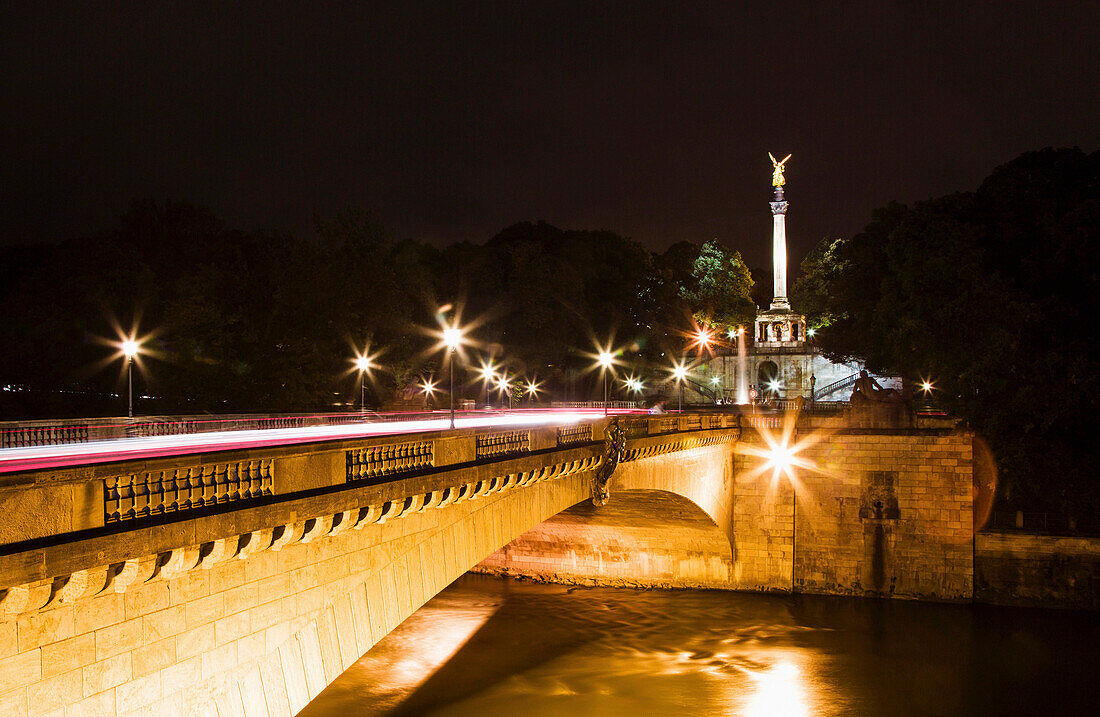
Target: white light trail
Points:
(121, 449)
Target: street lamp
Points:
(129, 350)
(605, 361)
(452, 338)
(505, 387)
(488, 375)
(364, 364)
(427, 386)
(679, 372)
(703, 338)
(532, 390)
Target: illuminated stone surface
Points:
(257, 607)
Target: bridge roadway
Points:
(242, 577)
(105, 450)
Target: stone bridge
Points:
(233, 583)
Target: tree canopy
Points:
(720, 289)
(988, 295)
(260, 321)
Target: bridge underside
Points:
(641, 538)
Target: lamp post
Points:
(605, 361)
(129, 350)
(452, 337)
(505, 388)
(363, 363)
(487, 376)
(679, 372)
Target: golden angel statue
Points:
(777, 175)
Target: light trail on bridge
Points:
(67, 455)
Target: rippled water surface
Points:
(487, 646)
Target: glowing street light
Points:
(427, 387)
(488, 375)
(703, 338)
(505, 386)
(532, 390)
(680, 372)
(130, 349)
(633, 384)
(364, 364)
(927, 387)
(452, 339)
(605, 360)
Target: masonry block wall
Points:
(260, 635)
(666, 525)
(1041, 570)
(867, 512)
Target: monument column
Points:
(779, 236)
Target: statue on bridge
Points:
(614, 453)
(867, 390)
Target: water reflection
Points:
(778, 692)
(487, 646)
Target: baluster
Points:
(250, 483)
(362, 464)
(232, 482)
(126, 497)
(194, 487)
(170, 491)
(156, 492)
(141, 495)
(220, 476)
(110, 499)
(209, 485)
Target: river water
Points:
(490, 646)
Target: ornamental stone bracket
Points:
(613, 453)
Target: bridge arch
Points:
(642, 538)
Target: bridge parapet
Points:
(54, 502)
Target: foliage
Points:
(720, 289)
(254, 321)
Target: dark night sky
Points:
(452, 121)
